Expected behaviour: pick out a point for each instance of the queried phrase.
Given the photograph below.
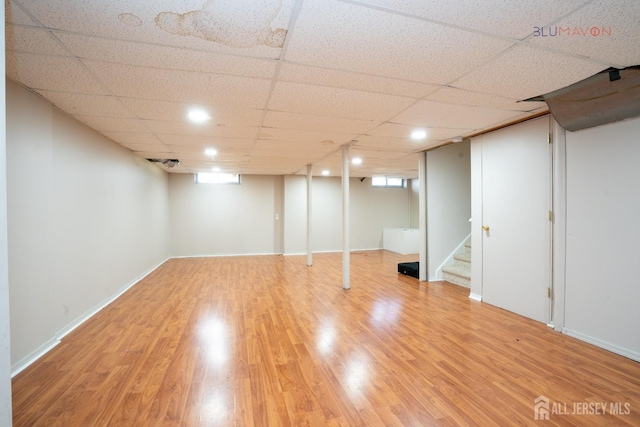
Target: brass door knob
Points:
(485, 227)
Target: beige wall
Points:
(213, 219)
(5, 341)
(372, 209)
(414, 202)
(448, 202)
(602, 236)
(241, 219)
(86, 219)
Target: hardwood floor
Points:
(268, 341)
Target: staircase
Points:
(460, 272)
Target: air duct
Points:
(609, 96)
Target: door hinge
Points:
(551, 216)
(548, 138)
(548, 292)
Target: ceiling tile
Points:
(614, 23)
(126, 138)
(524, 72)
(203, 142)
(62, 73)
(372, 154)
(187, 87)
(257, 29)
(226, 157)
(506, 18)
(301, 136)
(278, 145)
(175, 111)
(401, 145)
(15, 14)
(279, 119)
(87, 105)
(440, 115)
(150, 55)
(157, 147)
(182, 128)
(223, 151)
(359, 39)
(357, 81)
(304, 156)
(359, 72)
(113, 124)
(346, 103)
(32, 40)
(401, 131)
(453, 95)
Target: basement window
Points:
(383, 181)
(217, 178)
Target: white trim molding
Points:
(603, 344)
(475, 297)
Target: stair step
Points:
(460, 272)
(457, 276)
(465, 273)
(463, 256)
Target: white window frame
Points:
(220, 178)
(375, 182)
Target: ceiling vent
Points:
(609, 96)
(168, 163)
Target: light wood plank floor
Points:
(268, 341)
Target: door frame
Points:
(555, 310)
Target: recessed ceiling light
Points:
(215, 169)
(356, 161)
(419, 134)
(210, 152)
(325, 172)
(198, 115)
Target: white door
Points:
(516, 262)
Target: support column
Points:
(309, 217)
(422, 206)
(346, 255)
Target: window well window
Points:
(383, 181)
(217, 178)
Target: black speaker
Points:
(409, 268)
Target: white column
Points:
(346, 255)
(422, 221)
(309, 217)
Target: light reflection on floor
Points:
(215, 337)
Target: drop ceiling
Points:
(289, 82)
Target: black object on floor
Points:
(409, 268)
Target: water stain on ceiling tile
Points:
(130, 19)
(228, 22)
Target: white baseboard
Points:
(633, 355)
(475, 297)
(224, 255)
(23, 363)
(337, 251)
